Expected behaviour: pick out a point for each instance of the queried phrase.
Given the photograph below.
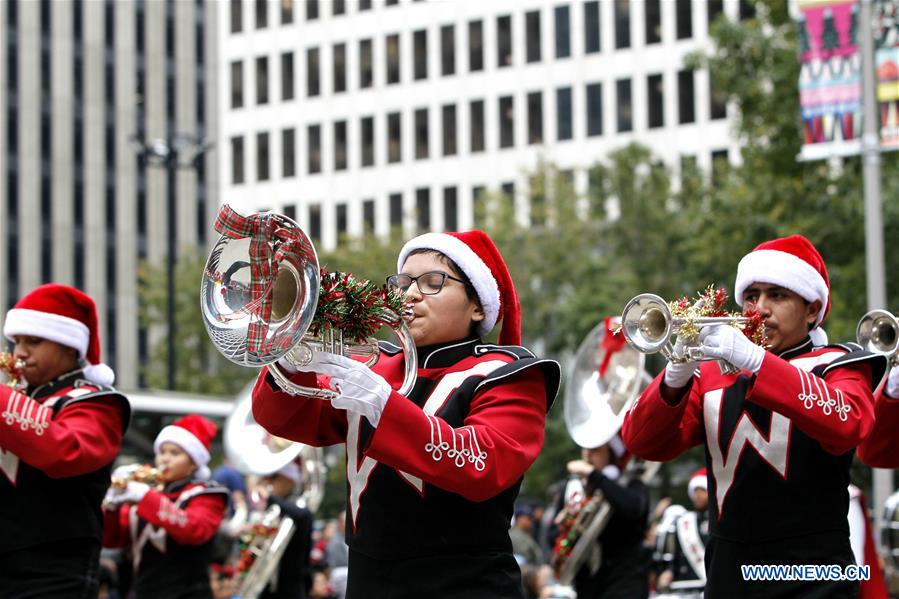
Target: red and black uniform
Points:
(778, 447)
(171, 534)
(57, 445)
(880, 449)
(680, 548)
(431, 489)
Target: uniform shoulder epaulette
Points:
(516, 351)
(855, 354)
(84, 390)
(391, 349)
(552, 372)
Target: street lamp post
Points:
(170, 154)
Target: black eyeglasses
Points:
(429, 283)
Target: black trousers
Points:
(66, 569)
(462, 576)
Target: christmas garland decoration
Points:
(355, 307)
(710, 303)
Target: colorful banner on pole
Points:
(886, 48)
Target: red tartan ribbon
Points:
(611, 343)
(263, 229)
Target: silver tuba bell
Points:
(878, 332)
(259, 295)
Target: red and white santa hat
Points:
(65, 315)
(792, 263)
(698, 480)
(476, 255)
(193, 434)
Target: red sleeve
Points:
(880, 449)
(116, 526)
(655, 430)
(836, 410)
(84, 436)
(311, 421)
(195, 524)
(501, 437)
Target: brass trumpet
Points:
(878, 332)
(141, 473)
(12, 368)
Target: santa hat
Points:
(698, 480)
(476, 255)
(792, 263)
(193, 434)
(65, 315)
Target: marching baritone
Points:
(779, 435)
(58, 439)
(432, 476)
(681, 542)
(170, 530)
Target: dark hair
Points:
(469, 288)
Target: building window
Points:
(653, 20)
(563, 31)
(367, 128)
(287, 76)
(237, 84)
(366, 73)
(594, 109)
(286, 11)
(506, 122)
(314, 151)
(262, 80)
(450, 209)
(368, 217)
(625, 110)
(262, 157)
(747, 9)
(507, 192)
(339, 7)
(288, 153)
(535, 117)
(714, 8)
(476, 125)
(503, 41)
(313, 80)
(478, 201)
(719, 165)
(448, 116)
(686, 97)
(311, 10)
(718, 101)
(394, 138)
(237, 160)
(364, 5)
(341, 218)
(532, 36)
(261, 14)
(290, 211)
(339, 68)
(656, 100)
(447, 50)
(563, 114)
(420, 48)
(236, 15)
(622, 23)
(591, 27)
(340, 151)
(315, 223)
(423, 208)
(475, 46)
(396, 210)
(684, 18)
(422, 141)
(391, 2)
(393, 59)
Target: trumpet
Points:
(649, 323)
(878, 332)
(141, 473)
(12, 368)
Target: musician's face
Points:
(44, 359)
(700, 499)
(174, 462)
(786, 315)
(598, 457)
(445, 316)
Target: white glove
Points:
(731, 345)
(892, 388)
(133, 493)
(125, 471)
(611, 472)
(678, 375)
(361, 390)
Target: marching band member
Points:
(861, 538)
(58, 438)
(880, 449)
(779, 435)
(171, 530)
(684, 569)
(621, 571)
(432, 477)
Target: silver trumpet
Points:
(878, 332)
(649, 326)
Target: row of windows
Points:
(449, 134)
(285, 10)
(447, 40)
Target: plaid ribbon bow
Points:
(263, 229)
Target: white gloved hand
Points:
(361, 390)
(678, 375)
(611, 472)
(313, 365)
(125, 471)
(731, 345)
(892, 388)
(133, 493)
